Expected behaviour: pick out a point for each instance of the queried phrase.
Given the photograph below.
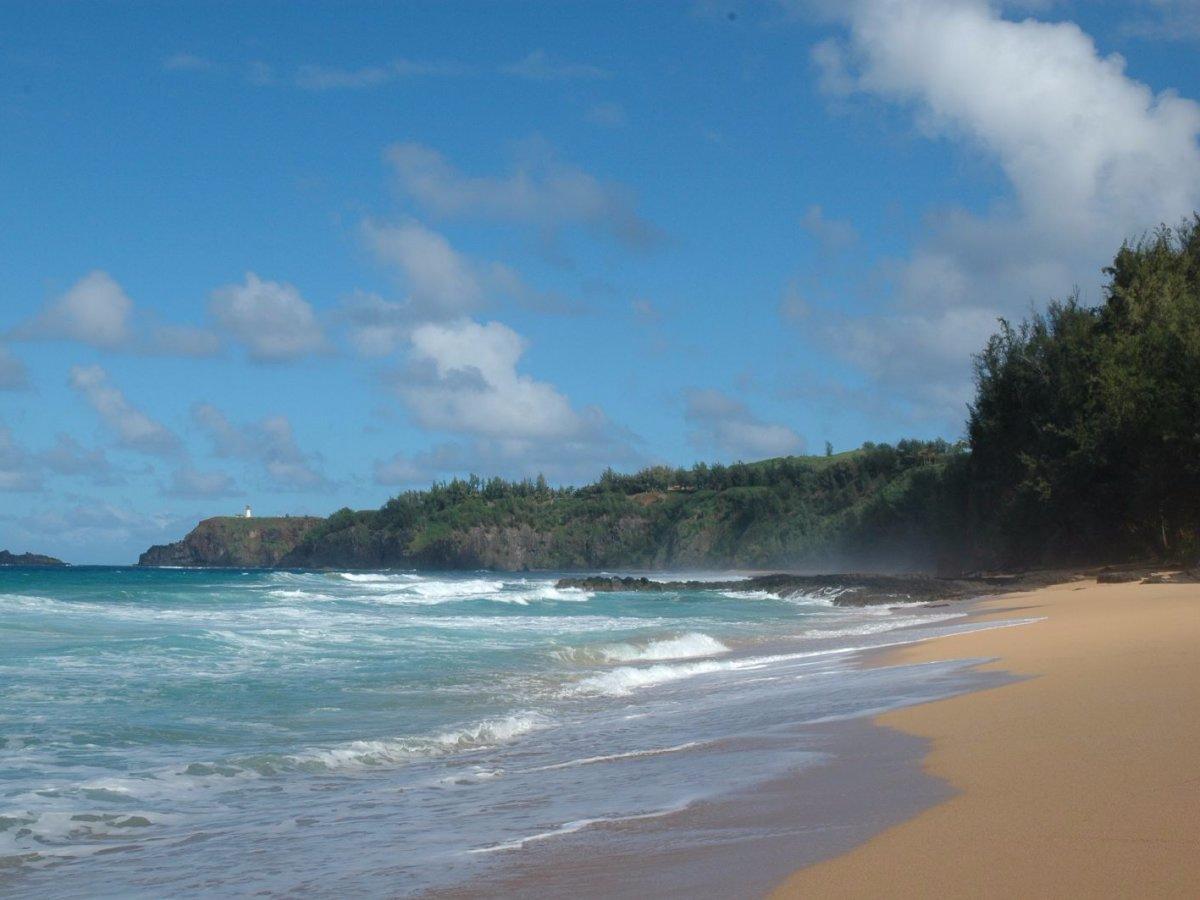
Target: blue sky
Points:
(307, 255)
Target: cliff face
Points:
(234, 541)
(28, 559)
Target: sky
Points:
(305, 256)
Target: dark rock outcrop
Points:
(842, 590)
(234, 541)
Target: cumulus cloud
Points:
(508, 281)
(270, 319)
(270, 443)
(541, 191)
(1090, 155)
(18, 471)
(134, 429)
(22, 469)
(95, 311)
(833, 235)
(441, 280)
(69, 457)
(188, 481)
(463, 379)
(375, 326)
(723, 424)
(1165, 20)
(442, 284)
(539, 66)
(92, 529)
(13, 375)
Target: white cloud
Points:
(723, 424)
(399, 470)
(270, 443)
(271, 319)
(1090, 155)
(793, 307)
(509, 282)
(13, 375)
(18, 471)
(463, 379)
(134, 429)
(562, 462)
(188, 62)
(69, 457)
(833, 235)
(441, 280)
(466, 381)
(375, 326)
(188, 481)
(94, 311)
(539, 66)
(93, 529)
(607, 115)
(97, 312)
(326, 78)
(1165, 20)
(541, 191)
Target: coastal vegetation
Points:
(1085, 430)
(1083, 445)
(28, 559)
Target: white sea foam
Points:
(612, 757)
(390, 751)
(749, 595)
(878, 626)
(692, 645)
(627, 679)
(375, 577)
(577, 825)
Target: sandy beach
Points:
(1081, 779)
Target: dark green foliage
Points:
(871, 508)
(1085, 431)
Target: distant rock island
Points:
(260, 543)
(28, 559)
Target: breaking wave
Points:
(693, 645)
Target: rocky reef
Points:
(840, 589)
(234, 541)
(28, 559)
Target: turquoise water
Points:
(187, 732)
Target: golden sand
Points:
(1083, 780)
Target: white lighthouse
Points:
(247, 514)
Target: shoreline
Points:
(1078, 777)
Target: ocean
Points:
(226, 733)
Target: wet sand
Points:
(1081, 779)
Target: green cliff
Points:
(234, 541)
(879, 507)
